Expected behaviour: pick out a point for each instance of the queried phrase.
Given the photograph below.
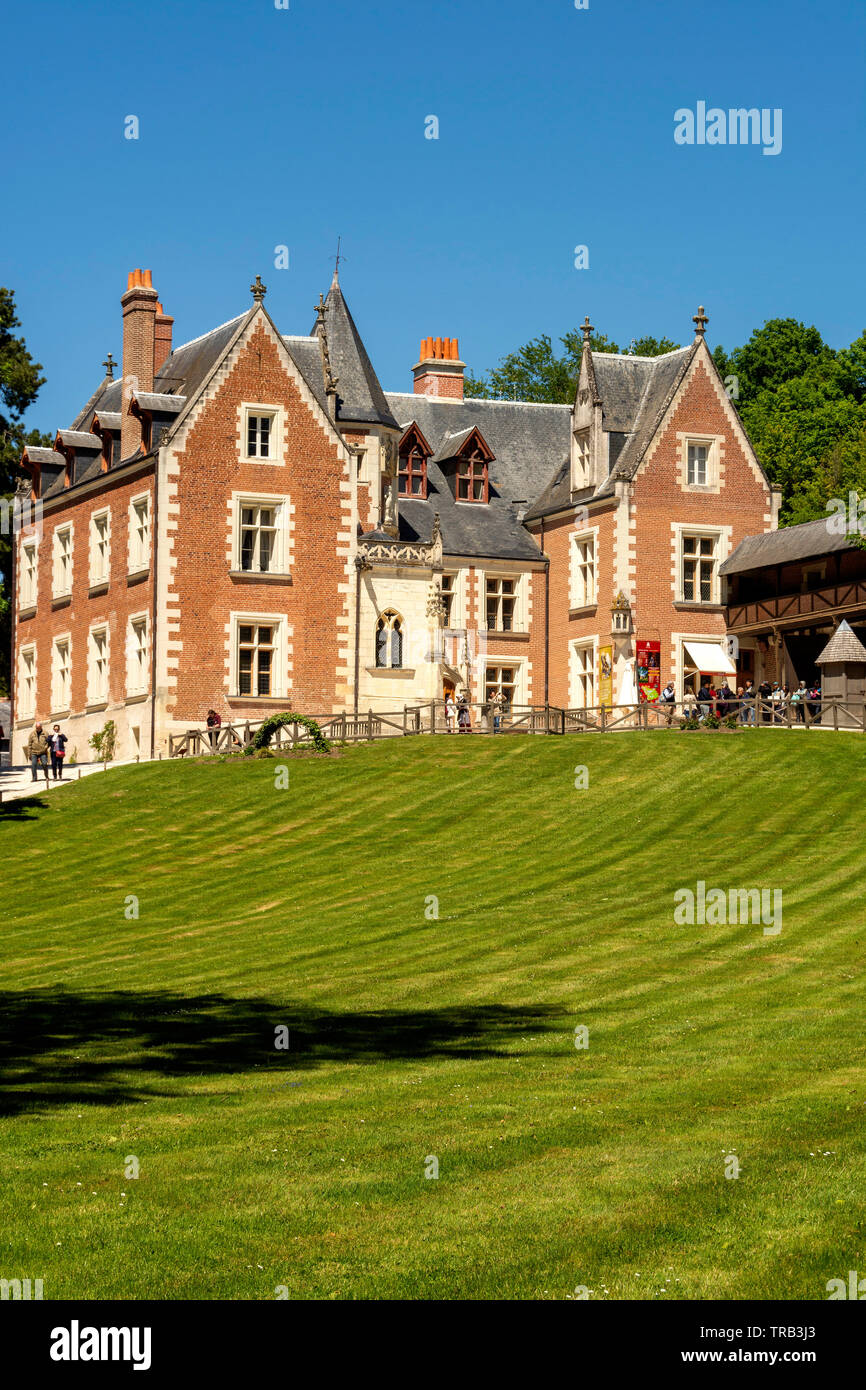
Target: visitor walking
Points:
(464, 718)
(58, 743)
(38, 748)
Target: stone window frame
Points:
(715, 460)
(133, 623)
(576, 644)
(282, 502)
(103, 626)
(132, 555)
(280, 681)
(718, 534)
(60, 706)
(581, 460)
(28, 599)
(519, 622)
(24, 711)
(577, 538)
(277, 417)
(56, 556)
(95, 516)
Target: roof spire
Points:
(336, 260)
(700, 320)
(258, 290)
(109, 365)
(587, 329)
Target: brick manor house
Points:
(249, 522)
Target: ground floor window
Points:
(60, 675)
(500, 680)
(27, 694)
(389, 640)
(256, 659)
(98, 671)
(583, 673)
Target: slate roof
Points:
(79, 439)
(37, 454)
(160, 403)
(360, 398)
(844, 645)
(635, 393)
(785, 547)
(528, 441)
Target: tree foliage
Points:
(20, 382)
(536, 372)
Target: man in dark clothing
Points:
(38, 747)
(704, 698)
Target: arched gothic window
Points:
(389, 640)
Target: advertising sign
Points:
(649, 674)
(605, 676)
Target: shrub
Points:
(105, 742)
(732, 722)
(712, 721)
(690, 722)
(270, 726)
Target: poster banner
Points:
(649, 673)
(605, 676)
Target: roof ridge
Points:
(638, 357)
(202, 336)
(480, 400)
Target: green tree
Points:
(804, 407)
(19, 386)
(535, 372)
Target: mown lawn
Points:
(413, 1039)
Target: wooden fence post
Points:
(603, 720)
(370, 727)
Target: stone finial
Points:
(587, 329)
(258, 290)
(700, 320)
(109, 365)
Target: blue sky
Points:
(262, 127)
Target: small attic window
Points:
(473, 484)
(412, 473)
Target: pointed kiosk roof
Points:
(360, 398)
(844, 645)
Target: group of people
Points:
(41, 746)
(750, 705)
(458, 715)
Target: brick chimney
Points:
(439, 371)
(162, 339)
(139, 305)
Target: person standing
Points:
(58, 743)
(747, 705)
(464, 719)
(450, 712)
(214, 724)
(38, 748)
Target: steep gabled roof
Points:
(360, 398)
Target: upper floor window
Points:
(472, 479)
(29, 564)
(412, 474)
(697, 462)
(99, 546)
(139, 534)
(389, 640)
(258, 538)
(260, 430)
(699, 568)
(62, 584)
(580, 475)
(501, 599)
(583, 576)
(448, 589)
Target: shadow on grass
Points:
(63, 1048)
(23, 808)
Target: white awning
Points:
(711, 657)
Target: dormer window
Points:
(412, 473)
(472, 478)
(580, 473)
